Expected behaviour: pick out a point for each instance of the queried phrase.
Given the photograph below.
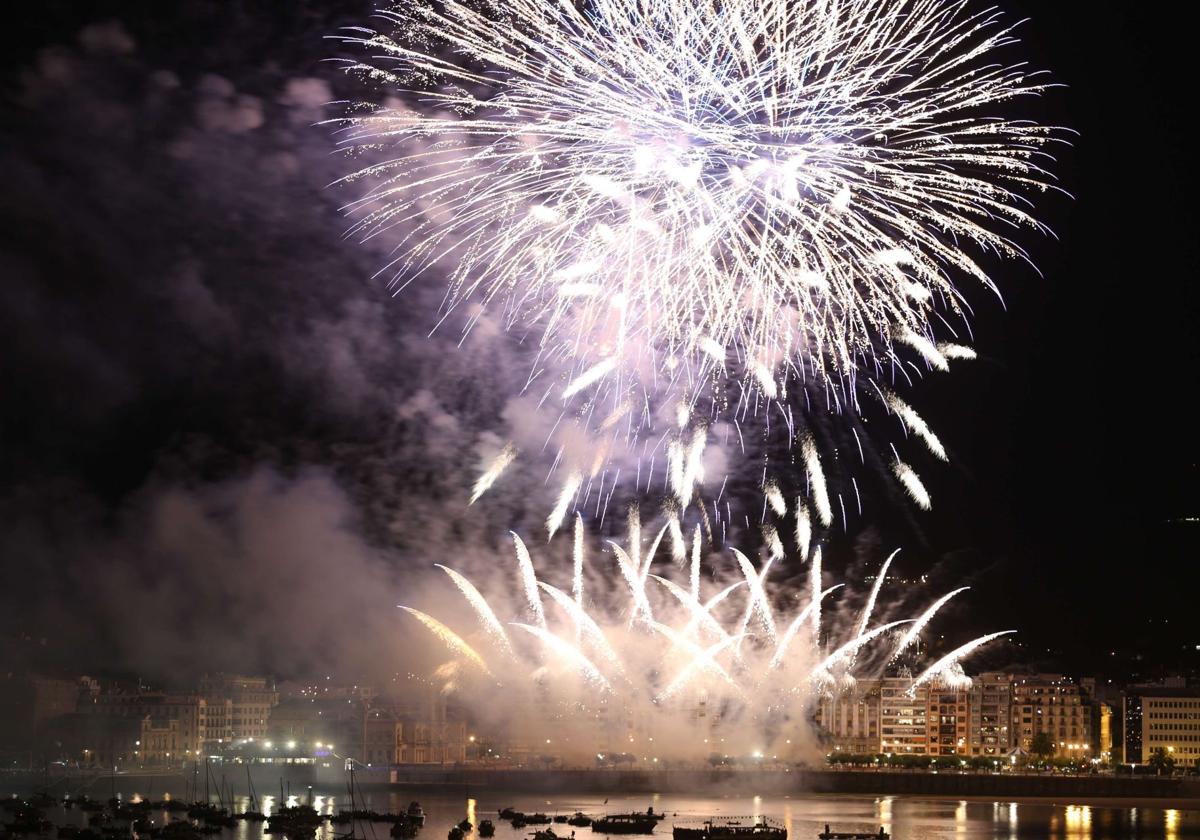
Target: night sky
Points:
(223, 444)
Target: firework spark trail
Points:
(956, 351)
(482, 608)
(637, 591)
(529, 581)
(655, 190)
(854, 644)
(577, 557)
(916, 424)
(570, 653)
(698, 663)
(450, 638)
(565, 497)
(913, 632)
(803, 529)
(703, 659)
(775, 499)
(953, 657)
(816, 478)
(589, 630)
(870, 607)
(785, 640)
(758, 605)
(590, 377)
(912, 483)
(814, 584)
(703, 614)
(694, 571)
(493, 472)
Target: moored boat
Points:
(486, 828)
(853, 835)
(626, 823)
(731, 828)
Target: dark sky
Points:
(207, 396)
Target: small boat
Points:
(416, 813)
(537, 819)
(731, 828)
(465, 826)
(486, 828)
(508, 813)
(545, 834)
(456, 833)
(625, 824)
(560, 818)
(580, 819)
(853, 835)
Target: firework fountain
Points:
(657, 663)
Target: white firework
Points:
(650, 648)
(682, 193)
(798, 181)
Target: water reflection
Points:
(884, 813)
(1079, 822)
(803, 815)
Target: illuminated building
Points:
(902, 716)
(1169, 720)
(186, 713)
(990, 707)
(946, 720)
(238, 707)
(851, 720)
(160, 742)
(1056, 705)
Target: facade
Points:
(851, 720)
(1056, 705)
(903, 721)
(413, 733)
(160, 742)
(1162, 718)
(990, 708)
(946, 720)
(238, 708)
(186, 715)
(383, 739)
(995, 714)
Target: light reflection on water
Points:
(803, 815)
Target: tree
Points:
(1042, 745)
(1161, 761)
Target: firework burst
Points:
(686, 199)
